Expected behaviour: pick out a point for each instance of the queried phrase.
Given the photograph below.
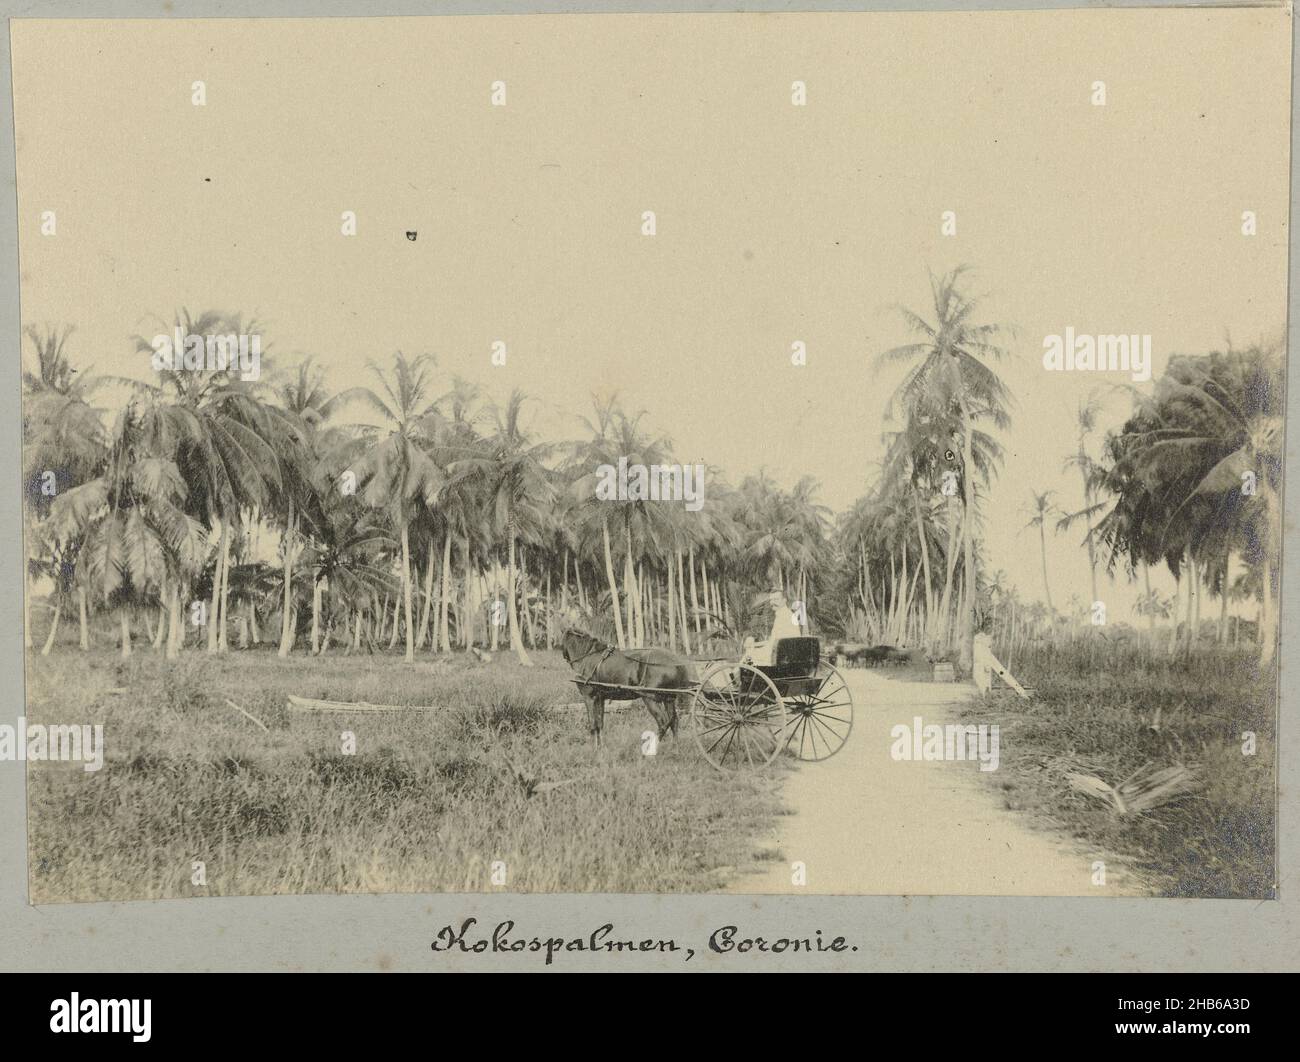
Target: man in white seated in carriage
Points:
(785, 624)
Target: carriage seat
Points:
(783, 657)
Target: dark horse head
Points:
(576, 644)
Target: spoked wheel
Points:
(820, 721)
(738, 718)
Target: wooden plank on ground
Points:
(312, 704)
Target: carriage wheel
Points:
(738, 718)
(820, 722)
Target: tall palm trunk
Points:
(516, 640)
(315, 614)
(672, 612)
(494, 613)
(640, 602)
(891, 622)
(428, 595)
(526, 613)
(695, 601)
(644, 628)
(1268, 614)
(629, 589)
(82, 615)
(1087, 501)
(215, 606)
(156, 636)
(54, 627)
(925, 567)
(968, 543)
(1266, 622)
(406, 589)
(945, 601)
(124, 620)
(613, 585)
(1199, 583)
(804, 602)
(1222, 633)
(681, 594)
(225, 598)
(1042, 540)
(1151, 614)
(547, 614)
(1174, 626)
(444, 602)
(175, 624)
(397, 622)
(907, 606)
(286, 640)
(708, 601)
(467, 633)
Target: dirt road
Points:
(864, 823)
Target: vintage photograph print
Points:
(783, 453)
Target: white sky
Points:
(775, 223)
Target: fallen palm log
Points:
(311, 704)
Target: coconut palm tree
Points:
(1086, 422)
(510, 471)
(949, 374)
(394, 471)
(461, 504)
(1196, 472)
(1041, 509)
(350, 554)
(638, 523)
(311, 454)
(221, 437)
(137, 531)
(916, 459)
(63, 445)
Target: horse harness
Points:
(589, 653)
(605, 653)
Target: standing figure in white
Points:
(785, 624)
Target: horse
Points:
(657, 677)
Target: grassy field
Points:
(428, 802)
(431, 800)
(1099, 716)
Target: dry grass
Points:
(428, 802)
(1134, 716)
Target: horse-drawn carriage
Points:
(741, 713)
